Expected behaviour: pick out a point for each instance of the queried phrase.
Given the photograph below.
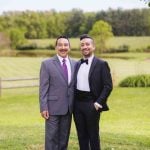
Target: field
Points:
(134, 43)
(133, 63)
(125, 127)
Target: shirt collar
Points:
(61, 58)
(90, 58)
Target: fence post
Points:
(0, 86)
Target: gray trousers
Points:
(57, 130)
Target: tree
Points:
(74, 22)
(17, 37)
(4, 41)
(101, 31)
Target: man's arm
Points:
(107, 84)
(43, 91)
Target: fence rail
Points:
(17, 86)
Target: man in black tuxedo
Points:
(93, 86)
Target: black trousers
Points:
(87, 123)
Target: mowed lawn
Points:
(126, 126)
(22, 67)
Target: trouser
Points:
(87, 124)
(57, 129)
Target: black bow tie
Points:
(84, 61)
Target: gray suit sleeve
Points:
(44, 86)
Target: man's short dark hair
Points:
(62, 36)
(83, 36)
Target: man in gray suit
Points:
(56, 95)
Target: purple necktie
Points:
(65, 70)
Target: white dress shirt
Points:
(83, 76)
(68, 66)
(83, 79)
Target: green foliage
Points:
(4, 41)
(50, 24)
(121, 49)
(50, 46)
(101, 31)
(27, 46)
(136, 81)
(17, 37)
(147, 49)
(74, 23)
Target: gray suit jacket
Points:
(55, 94)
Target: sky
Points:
(67, 5)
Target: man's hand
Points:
(45, 114)
(97, 106)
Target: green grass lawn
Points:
(125, 127)
(21, 67)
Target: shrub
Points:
(17, 37)
(50, 47)
(121, 49)
(27, 46)
(4, 41)
(124, 48)
(136, 81)
(147, 49)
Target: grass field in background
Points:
(120, 68)
(126, 126)
(74, 42)
(134, 42)
(19, 67)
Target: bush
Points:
(121, 49)
(50, 47)
(27, 46)
(4, 41)
(147, 49)
(136, 81)
(17, 37)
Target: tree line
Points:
(50, 24)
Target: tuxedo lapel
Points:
(92, 66)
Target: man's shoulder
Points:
(48, 60)
(100, 60)
(74, 61)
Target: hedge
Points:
(136, 81)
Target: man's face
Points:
(87, 47)
(62, 47)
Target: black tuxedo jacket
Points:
(100, 81)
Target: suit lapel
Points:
(76, 70)
(92, 66)
(72, 70)
(77, 67)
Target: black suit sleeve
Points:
(107, 84)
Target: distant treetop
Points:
(147, 2)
